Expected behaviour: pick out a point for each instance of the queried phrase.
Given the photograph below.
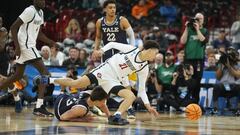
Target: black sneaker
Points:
(131, 114)
(117, 120)
(42, 111)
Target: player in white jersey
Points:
(110, 73)
(25, 31)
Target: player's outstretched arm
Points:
(104, 108)
(151, 110)
(119, 46)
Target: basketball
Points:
(193, 112)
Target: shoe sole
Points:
(42, 115)
(115, 123)
(131, 117)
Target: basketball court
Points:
(26, 123)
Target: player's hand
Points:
(153, 111)
(97, 54)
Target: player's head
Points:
(150, 49)
(39, 3)
(98, 95)
(109, 7)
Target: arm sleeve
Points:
(235, 28)
(141, 85)
(27, 15)
(119, 46)
(131, 37)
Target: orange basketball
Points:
(193, 112)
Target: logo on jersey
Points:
(115, 29)
(99, 75)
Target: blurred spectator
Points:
(83, 58)
(142, 8)
(90, 4)
(57, 54)
(227, 73)
(211, 63)
(195, 37)
(158, 60)
(73, 30)
(168, 10)
(46, 57)
(91, 29)
(3, 54)
(221, 40)
(73, 57)
(182, 87)
(92, 63)
(158, 36)
(164, 74)
(180, 57)
(235, 32)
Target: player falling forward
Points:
(109, 75)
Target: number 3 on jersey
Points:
(111, 37)
(122, 66)
(70, 101)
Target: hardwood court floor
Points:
(27, 124)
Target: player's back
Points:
(65, 102)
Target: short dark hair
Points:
(148, 44)
(98, 94)
(108, 2)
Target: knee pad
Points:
(41, 79)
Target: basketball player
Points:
(112, 28)
(69, 108)
(25, 31)
(109, 74)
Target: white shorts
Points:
(106, 77)
(27, 55)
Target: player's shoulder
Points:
(30, 9)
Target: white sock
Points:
(130, 107)
(16, 98)
(39, 103)
(117, 113)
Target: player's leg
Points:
(40, 109)
(15, 77)
(129, 98)
(13, 90)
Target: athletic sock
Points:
(39, 103)
(117, 113)
(16, 98)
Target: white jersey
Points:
(126, 62)
(28, 31)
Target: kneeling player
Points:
(69, 108)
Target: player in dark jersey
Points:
(112, 28)
(70, 108)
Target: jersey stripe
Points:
(34, 53)
(27, 30)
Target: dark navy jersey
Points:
(112, 33)
(65, 102)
